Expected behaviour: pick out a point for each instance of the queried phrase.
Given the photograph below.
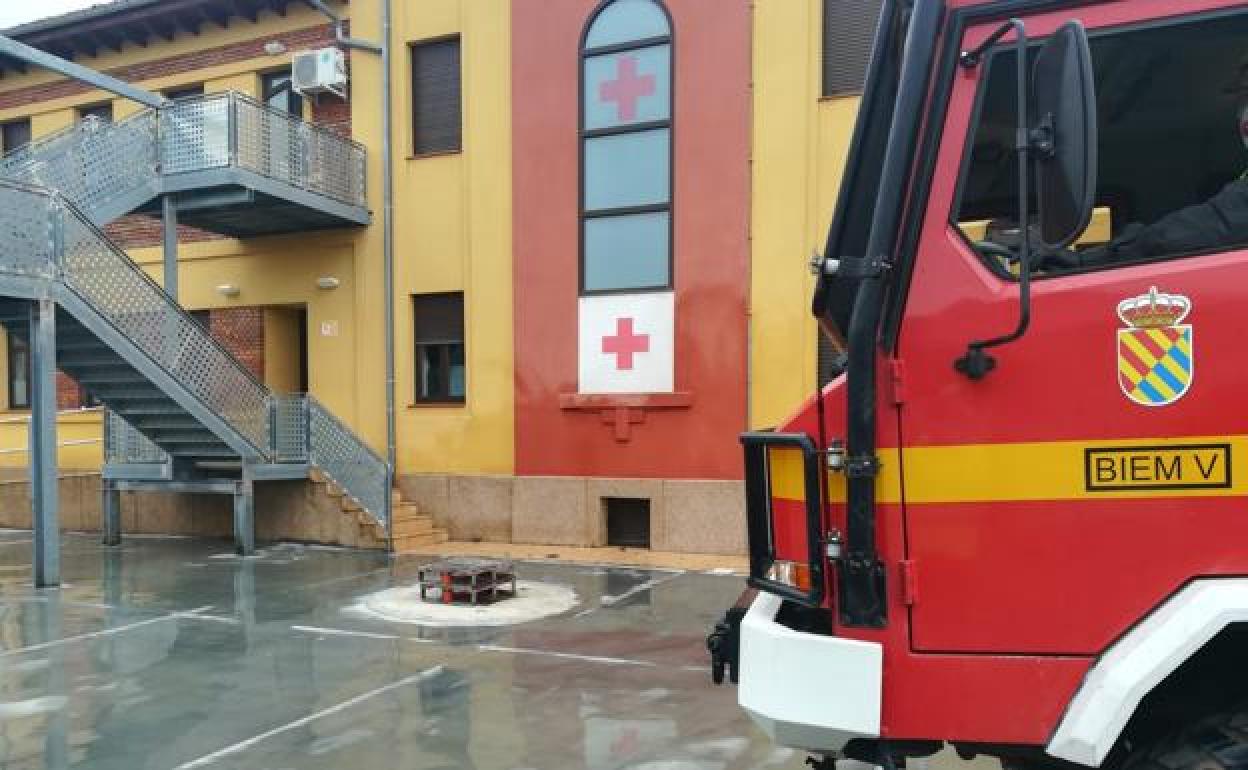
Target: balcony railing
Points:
(231, 129)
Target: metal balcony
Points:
(239, 167)
(235, 166)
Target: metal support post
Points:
(245, 515)
(111, 505)
(169, 218)
(43, 482)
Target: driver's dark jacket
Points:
(1218, 222)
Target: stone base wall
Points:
(298, 511)
(685, 516)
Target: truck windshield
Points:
(1173, 115)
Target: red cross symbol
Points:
(626, 744)
(625, 344)
(627, 88)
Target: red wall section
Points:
(711, 206)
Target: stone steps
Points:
(407, 543)
(411, 527)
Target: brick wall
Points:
(68, 394)
(139, 230)
(334, 114)
(240, 330)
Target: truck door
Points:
(1101, 465)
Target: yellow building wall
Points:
(78, 436)
(800, 143)
(452, 233)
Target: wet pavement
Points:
(173, 653)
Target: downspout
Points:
(387, 149)
(346, 40)
(387, 161)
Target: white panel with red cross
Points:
(627, 343)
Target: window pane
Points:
(628, 87)
(440, 372)
(626, 20)
(429, 379)
(19, 371)
(436, 98)
(628, 252)
(455, 379)
(102, 112)
(279, 93)
(628, 170)
(1171, 178)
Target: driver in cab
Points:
(1216, 223)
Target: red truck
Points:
(1016, 522)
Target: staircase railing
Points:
(125, 296)
(126, 445)
(54, 236)
(93, 163)
(302, 431)
(349, 462)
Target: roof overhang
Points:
(113, 25)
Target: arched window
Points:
(626, 148)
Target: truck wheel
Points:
(1212, 743)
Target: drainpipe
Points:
(387, 150)
(340, 30)
(387, 162)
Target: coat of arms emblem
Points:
(1155, 364)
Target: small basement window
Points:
(628, 521)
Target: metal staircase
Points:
(183, 413)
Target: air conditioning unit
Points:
(321, 71)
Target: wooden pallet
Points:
(465, 579)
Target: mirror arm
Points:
(978, 363)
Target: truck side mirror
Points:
(1059, 149)
(1064, 140)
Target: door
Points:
(1055, 502)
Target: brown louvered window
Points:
(438, 331)
(848, 32)
(436, 98)
(14, 135)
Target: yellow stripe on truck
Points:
(1197, 466)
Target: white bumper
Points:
(806, 691)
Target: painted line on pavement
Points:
(611, 601)
(209, 759)
(567, 656)
(104, 632)
(342, 632)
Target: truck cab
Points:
(1016, 522)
